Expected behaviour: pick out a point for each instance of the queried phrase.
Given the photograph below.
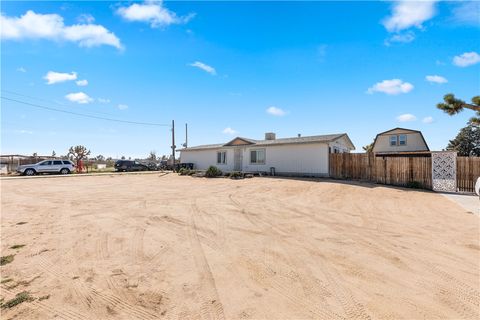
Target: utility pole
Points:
(173, 145)
(186, 136)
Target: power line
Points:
(85, 115)
(48, 101)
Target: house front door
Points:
(237, 159)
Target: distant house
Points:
(400, 141)
(298, 156)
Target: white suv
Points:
(47, 166)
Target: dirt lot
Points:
(145, 246)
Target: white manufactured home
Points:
(299, 156)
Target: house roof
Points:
(398, 128)
(296, 140)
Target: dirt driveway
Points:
(146, 247)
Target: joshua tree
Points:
(452, 106)
(78, 153)
(368, 147)
(152, 156)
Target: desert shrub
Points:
(414, 185)
(19, 298)
(186, 172)
(236, 175)
(212, 172)
(6, 259)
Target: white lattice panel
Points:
(444, 171)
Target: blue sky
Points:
(231, 68)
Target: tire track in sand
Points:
(63, 312)
(352, 308)
(91, 296)
(211, 307)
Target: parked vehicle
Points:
(130, 165)
(188, 166)
(47, 166)
(152, 166)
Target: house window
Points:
(257, 156)
(393, 141)
(402, 139)
(221, 157)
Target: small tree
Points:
(78, 153)
(53, 153)
(368, 147)
(152, 156)
(123, 158)
(452, 106)
(100, 158)
(467, 141)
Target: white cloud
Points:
(21, 69)
(122, 106)
(204, 67)
(467, 12)
(56, 77)
(82, 83)
(153, 13)
(51, 27)
(436, 79)
(103, 100)
(466, 59)
(407, 14)
(229, 130)
(79, 97)
(85, 18)
(392, 87)
(406, 117)
(427, 120)
(274, 111)
(401, 38)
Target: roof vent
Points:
(270, 136)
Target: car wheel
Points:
(64, 171)
(30, 172)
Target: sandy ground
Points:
(144, 247)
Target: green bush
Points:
(212, 172)
(186, 172)
(414, 185)
(236, 175)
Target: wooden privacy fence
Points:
(399, 171)
(468, 171)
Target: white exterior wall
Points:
(291, 159)
(202, 159)
(341, 145)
